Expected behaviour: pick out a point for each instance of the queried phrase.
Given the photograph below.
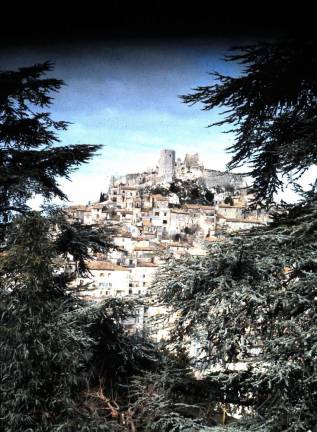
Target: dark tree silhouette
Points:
(30, 159)
(48, 334)
(272, 109)
(251, 302)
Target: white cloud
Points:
(307, 179)
(84, 187)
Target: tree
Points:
(272, 110)
(57, 352)
(229, 200)
(30, 161)
(250, 303)
(102, 197)
(43, 354)
(50, 338)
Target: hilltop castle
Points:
(191, 168)
(153, 223)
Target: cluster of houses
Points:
(151, 227)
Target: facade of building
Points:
(151, 228)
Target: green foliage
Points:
(29, 159)
(80, 241)
(271, 107)
(53, 346)
(102, 197)
(187, 191)
(116, 356)
(250, 304)
(191, 192)
(43, 355)
(228, 200)
(252, 301)
(173, 422)
(48, 337)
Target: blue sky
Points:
(125, 95)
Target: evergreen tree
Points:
(250, 304)
(271, 108)
(50, 340)
(30, 162)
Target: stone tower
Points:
(167, 165)
(192, 160)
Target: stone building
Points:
(167, 165)
(152, 226)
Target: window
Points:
(157, 213)
(109, 274)
(143, 276)
(144, 284)
(130, 291)
(165, 222)
(102, 274)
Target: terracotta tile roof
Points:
(212, 239)
(180, 211)
(146, 236)
(159, 197)
(175, 244)
(163, 245)
(104, 265)
(77, 207)
(199, 206)
(145, 248)
(124, 211)
(98, 205)
(147, 223)
(231, 206)
(244, 221)
(123, 234)
(145, 264)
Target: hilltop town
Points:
(175, 209)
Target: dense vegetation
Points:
(250, 304)
(54, 349)
(187, 191)
(248, 307)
